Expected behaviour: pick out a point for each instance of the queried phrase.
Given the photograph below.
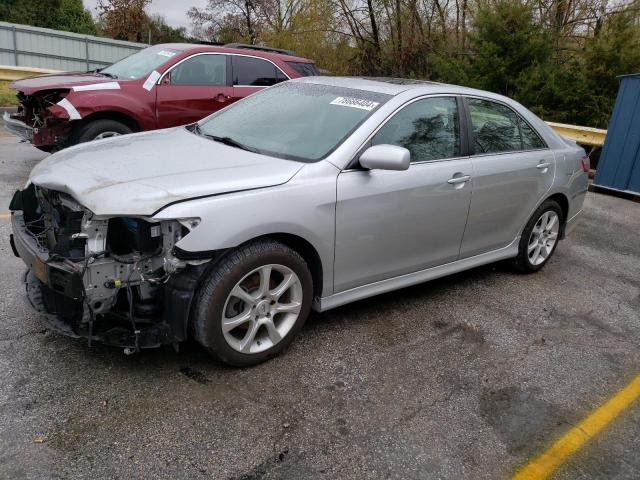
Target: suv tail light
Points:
(585, 163)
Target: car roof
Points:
(198, 48)
(395, 86)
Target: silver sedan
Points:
(310, 194)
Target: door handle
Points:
(221, 97)
(461, 179)
(543, 165)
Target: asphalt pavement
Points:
(467, 377)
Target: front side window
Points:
(428, 128)
(201, 70)
(293, 120)
(255, 72)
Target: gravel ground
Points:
(464, 377)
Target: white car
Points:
(310, 194)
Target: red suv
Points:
(158, 87)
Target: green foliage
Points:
(614, 51)
(7, 95)
(67, 15)
(163, 33)
(511, 53)
(507, 45)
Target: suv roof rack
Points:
(262, 49)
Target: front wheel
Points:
(539, 238)
(97, 130)
(252, 305)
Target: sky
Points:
(174, 11)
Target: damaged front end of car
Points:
(113, 280)
(40, 119)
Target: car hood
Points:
(141, 173)
(57, 81)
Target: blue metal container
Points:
(619, 165)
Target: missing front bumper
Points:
(67, 317)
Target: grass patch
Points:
(7, 95)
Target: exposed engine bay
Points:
(114, 280)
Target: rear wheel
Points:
(253, 304)
(97, 130)
(539, 238)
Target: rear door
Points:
(512, 171)
(252, 74)
(192, 89)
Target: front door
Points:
(512, 171)
(193, 89)
(390, 223)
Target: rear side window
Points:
(304, 69)
(201, 70)
(495, 127)
(428, 128)
(250, 71)
(530, 139)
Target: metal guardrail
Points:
(593, 137)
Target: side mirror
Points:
(385, 157)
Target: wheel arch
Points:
(295, 242)
(562, 200)
(121, 117)
(308, 253)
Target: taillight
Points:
(586, 164)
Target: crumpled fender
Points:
(77, 105)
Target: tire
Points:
(241, 272)
(530, 242)
(96, 129)
(47, 148)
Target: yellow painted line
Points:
(574, 439)
(5, 216)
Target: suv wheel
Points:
(539, 238)
(253, 304)
(97, 130)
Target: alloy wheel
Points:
(544, 237)
(106, 135)
(262, 308)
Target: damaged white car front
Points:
(110, 279)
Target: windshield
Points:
(298, 121)
(139, 64)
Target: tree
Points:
(226, 18)
(67, 15)
(507, 44)
(614, 51)
(160, 32)
(124, 19)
